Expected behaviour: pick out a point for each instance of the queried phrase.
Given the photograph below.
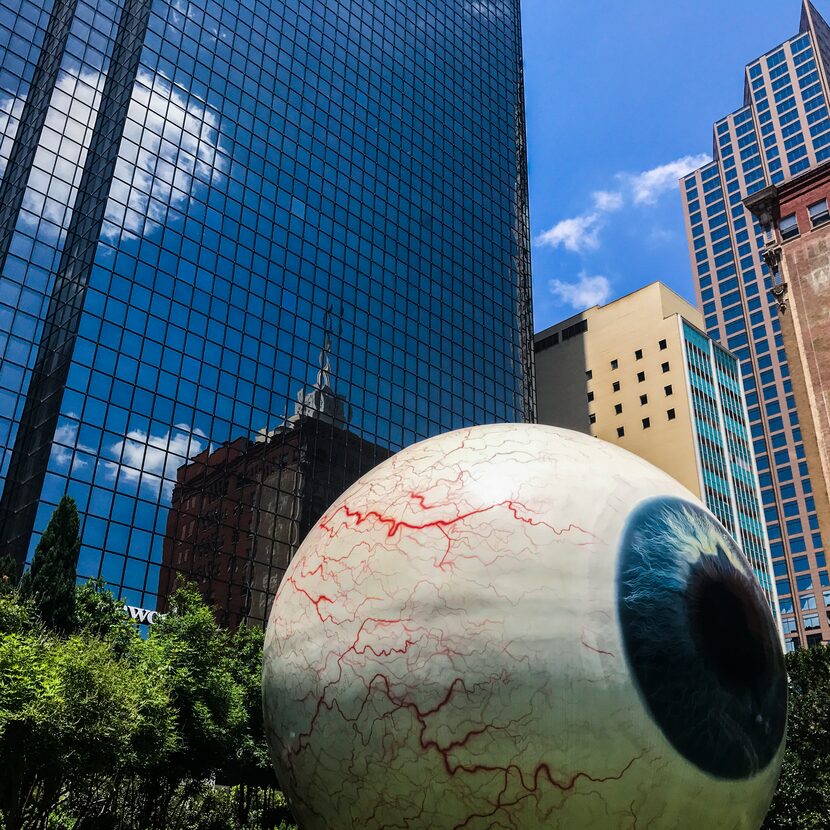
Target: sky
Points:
(621, 98)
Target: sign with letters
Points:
(142, 615)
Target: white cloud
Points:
(608, 201)
(11, 108)
(578, 234)
(583, 293)
(67, 132)
(581, 233)
(662, 236)
(171, 148)
(154, 459)
(64, 445)
(649, 185)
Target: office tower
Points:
(781, 130)
(639, 372)
(197, 198)
(795, 218)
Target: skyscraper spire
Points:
(322, 401)
(810, 17)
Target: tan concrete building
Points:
(639, 372)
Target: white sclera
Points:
(444, 650)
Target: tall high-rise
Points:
(197, 198)
(640, 373)
(782, 129)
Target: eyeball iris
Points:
(700, 640)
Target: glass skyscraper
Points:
(724, 450)
(782, 129)
(247, 251)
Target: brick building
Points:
(240, 511)
(795, 219)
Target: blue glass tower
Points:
(724, 450)
(782, 129)
(206, 207)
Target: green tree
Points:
(16, 615)
(74, 720)
(251, 763)
(9, 572)
(50, 582)
(802, 800)
(208, 701)
(102, 729)
(99, 614)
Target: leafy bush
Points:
(101, 729)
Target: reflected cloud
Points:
(152, 460)
(11, 108)
(148, 460)
(61, 154)
(171, 148)
(64, 446)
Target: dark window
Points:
(813, 640)
(646, 423)
(665, 367)
(788, 226)
(616, 386)
(590, 396)
(819, 214)
(552, 340)
(663, 345)
(572, 331)
(643, 400)
(620, 432)
(592, 419)
(641, 376)
(668, 390)
(672, 414)
(589, 374)
(615, 364)
(638, 355)
(618, 408)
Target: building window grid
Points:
(713, 456)
(501, 391)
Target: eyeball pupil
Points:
(730, 632)
(699, 639)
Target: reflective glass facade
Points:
(782, 129)
(246, 252)
(720, 423)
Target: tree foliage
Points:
(9, 572)
(103, 729)
(50, 582)
(802, 800)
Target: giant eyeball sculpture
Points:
(522, 627)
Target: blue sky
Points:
(621, 97)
